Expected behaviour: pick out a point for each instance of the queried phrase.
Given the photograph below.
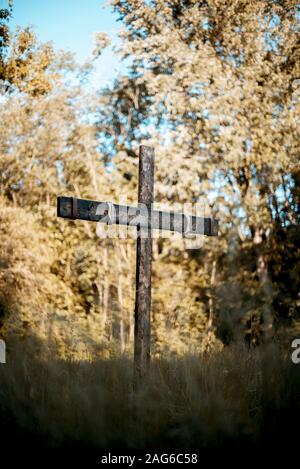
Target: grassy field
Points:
(231, 398)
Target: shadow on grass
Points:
(234, 398)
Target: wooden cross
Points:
(145, 219)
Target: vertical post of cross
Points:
(143, 267)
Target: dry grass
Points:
(210, 401)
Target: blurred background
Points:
(214, 86)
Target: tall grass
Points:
(209, 401)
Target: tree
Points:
(223, 78)
(214, 87)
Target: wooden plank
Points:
(82, 209)
(143, 268)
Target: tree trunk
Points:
(265, 282)
(105, 289)
(121, 306)
(211, 302)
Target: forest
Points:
(214, 87)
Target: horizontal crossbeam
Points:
(106, 212)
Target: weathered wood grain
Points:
(143, 268)
(81, 209)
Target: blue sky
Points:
(70, 24)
